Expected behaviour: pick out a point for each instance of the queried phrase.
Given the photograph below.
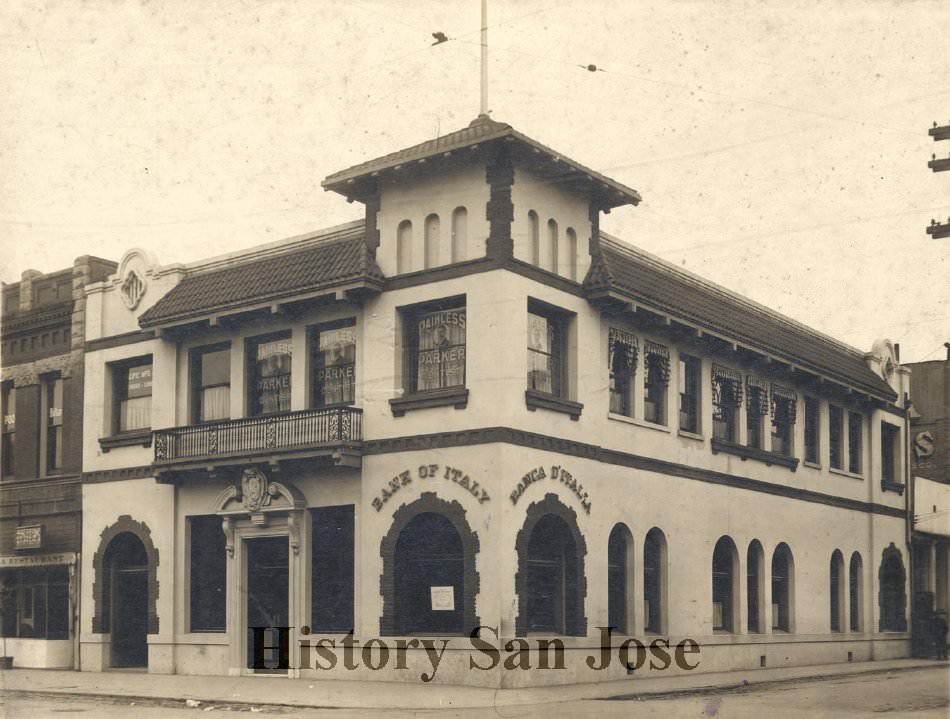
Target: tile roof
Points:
(336, 262)
(480, 130)
(657, 284)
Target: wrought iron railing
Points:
(291, 430)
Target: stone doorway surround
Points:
(260, 507)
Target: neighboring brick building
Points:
(930, 452)
(43, 331)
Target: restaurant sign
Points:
(29, 537)
(38, 560)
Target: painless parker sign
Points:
(426, 473)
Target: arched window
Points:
(783, 588)
(755, 587)
(654, 582)
(404, 247)
(432, 241)
(571, 253)
(620, 579)
(855, 592)
(893, 597)
(836, 590)
(429, 557)
(552, 246)
(725, 586)
(459, 234)
(550, 582)
(535, 229)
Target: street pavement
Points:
(922, 692)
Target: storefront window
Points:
(35, 603)
(332, 569)
(269, 361)
(208, 574)
(333, 358)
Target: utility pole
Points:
(938, 230)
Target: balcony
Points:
(335, 433)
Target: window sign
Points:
(140, 382)
(336, 367)
(441, 351)
(272, 386)
(443, 599)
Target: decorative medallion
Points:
(256, 491)
(132, 289)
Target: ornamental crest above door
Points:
(256, 491)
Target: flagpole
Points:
(484, 101)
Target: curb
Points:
(229, 704)
(748, 686)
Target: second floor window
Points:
(756, 408)
(855, 428)
(546, 347)
(784, 404)
(435, 340)
(132, 395)
(333, 358)
(689, 379)
(622, 349)
(269, 361)
(9, 428)
(812, 426)
(890, 452)
(727, 399)
(656, 377)
(836, 436)
(53, 388)
(211, 383)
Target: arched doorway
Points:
(429, 583)
(550, 583)
(430, 575)
(127, 599)
(552, 571)
(892, 598)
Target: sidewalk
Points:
(271, 691)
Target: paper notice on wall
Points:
(443, 599)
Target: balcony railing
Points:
(309, 428)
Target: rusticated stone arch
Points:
(455, 513)
(101, 610)
(551, 505)
(892, 591)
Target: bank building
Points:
(474, 408)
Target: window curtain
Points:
(784, 404)
(215, 403)
(726, 386)
(758, 395)
(542, 351)
(657, 362)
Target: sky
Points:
(780, 148)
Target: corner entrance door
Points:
(268, 585)
(130, 607)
